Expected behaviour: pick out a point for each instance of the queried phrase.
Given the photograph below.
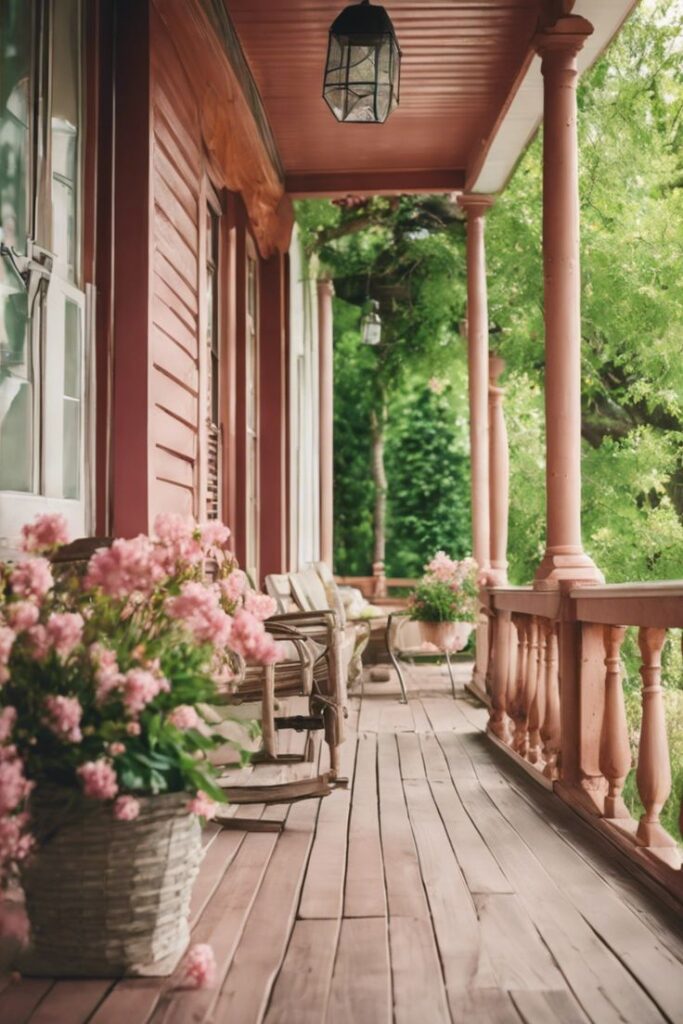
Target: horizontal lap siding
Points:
(174, 369)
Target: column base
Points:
(567, 566)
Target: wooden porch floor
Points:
(443, 885)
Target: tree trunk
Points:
(379, 476)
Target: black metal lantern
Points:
(363, 64)
(371, 324)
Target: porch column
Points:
(326, 355)
(564, 557)
(476, 207)
(499, 469)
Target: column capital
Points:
(565, 37)
(475, 204)
(325, 286)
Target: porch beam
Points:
(326, 412)
(379, 183)
(564, 559)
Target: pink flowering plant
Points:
(102, 672)
(447, 592)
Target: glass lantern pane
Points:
(15, 71)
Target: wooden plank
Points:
(396, 717)
(422, 723)
(217, 858)
(364, 893)
(246, 989)
(444, 714)
(370, 712)
(548, 1008)
(519, 959)
(323, 891)
(72, 1001)
(302, 988)
(604, 988)
(458, 935)
(221, 925)
(483, 1006)
(410, 753)
(132, 1000)
(361, 983)
(20, 999)
(418, 986)
(185, 292)
(626, 934)
(480, 868)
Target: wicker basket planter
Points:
(108, 898)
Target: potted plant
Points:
(104, 774)
(444, 603)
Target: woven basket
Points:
(107, 898)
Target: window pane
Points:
(65, 128)
(15, 68)
(72, 401)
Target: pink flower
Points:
(46, 533)
(184, 717)
(14, 786)
(40, 642)
(250, 639)
(198, 608)
(32, 578)
(126, 808)
(115, 749)
(22, 615)
(179, 537)
(128, 567)
(99, 780)
(232, 587)
(262, 606)
(8, 717)
(214, 534)
(203, 806)
(200, 966)
(133, 729)
(140, 687)
(7, 638)
(107, 674)
(64, 717)
(436, 385)
(65, 631)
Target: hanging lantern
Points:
(363, 63)
(371, 325)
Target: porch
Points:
(442, 885)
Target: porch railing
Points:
(557, 704)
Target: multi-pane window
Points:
(213, 424)
(42, 300)
(252, 418)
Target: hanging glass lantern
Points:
(363, 64)
(371, 325)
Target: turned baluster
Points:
(615, 750)
(516, 695)
(653, 774)
(530, 682)
(537, 711)
(550, 729)
(499, 680)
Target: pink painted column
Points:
(499, 476)
(326, 398)
(476, 207)
(564, 557)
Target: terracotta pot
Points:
(447, 636)
(105, 897)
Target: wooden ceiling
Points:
(460, 59)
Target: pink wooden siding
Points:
(176, 174)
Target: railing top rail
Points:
(652, 591)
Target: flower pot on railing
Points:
(447, 636)
(105, 897)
